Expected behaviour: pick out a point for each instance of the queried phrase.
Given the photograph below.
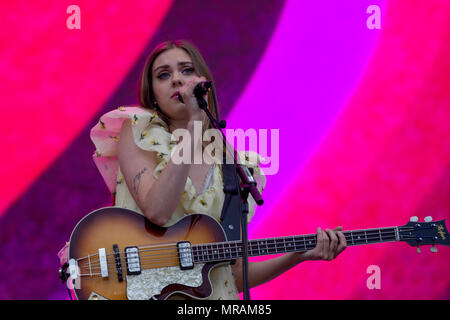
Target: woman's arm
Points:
(157, 198)
(329, 245)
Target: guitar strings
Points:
(209, 252)
(173, 263)
(146, 264)
(254, 242)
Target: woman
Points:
(139, 170)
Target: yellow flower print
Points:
(120, 180)
(144, 134)
(153, 116)
(121, 108)
(203, 202)
(154, 142)
(162, 154)
(115, 138)
(135, 119)
(97, 153)
(102, 125)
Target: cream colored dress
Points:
(151, 134)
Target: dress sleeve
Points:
(150, 133)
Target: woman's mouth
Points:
(178, 96)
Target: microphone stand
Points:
(247, 186)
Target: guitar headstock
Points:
(429, 232)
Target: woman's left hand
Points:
(330, 243)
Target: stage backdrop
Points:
(359, 91)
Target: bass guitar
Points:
(117, 253)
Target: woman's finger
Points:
(342, 242)
(320, 243)
(333, 244)
(326, 245)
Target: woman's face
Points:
(171, 70)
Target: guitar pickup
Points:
(185, 255)
(133, 261)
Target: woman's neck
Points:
(179, 124)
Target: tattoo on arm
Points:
(137, 181)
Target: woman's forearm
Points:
(264, 271)
(165, 193)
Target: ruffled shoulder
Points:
(150, 133)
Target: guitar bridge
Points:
(185, 255)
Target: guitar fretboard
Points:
(223, 251)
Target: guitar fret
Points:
(222, 251)
(291, 245)
(311, 244)
(216, 254)
(262, 251)
(227, 251)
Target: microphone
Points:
(202, 88)
(199, 91)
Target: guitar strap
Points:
(230, 217)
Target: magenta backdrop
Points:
(362, 116)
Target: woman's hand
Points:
(189, 99)
(329, 245)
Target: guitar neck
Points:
(224, 251)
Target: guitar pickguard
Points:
(151, 281)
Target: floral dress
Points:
(151, 133)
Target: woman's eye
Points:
(165, 74)
(189, 69)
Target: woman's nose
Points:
(176, 80)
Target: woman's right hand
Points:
(187, 93)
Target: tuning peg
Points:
(433, 249)
(418, 249)
(428, 219)
(414, 219)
